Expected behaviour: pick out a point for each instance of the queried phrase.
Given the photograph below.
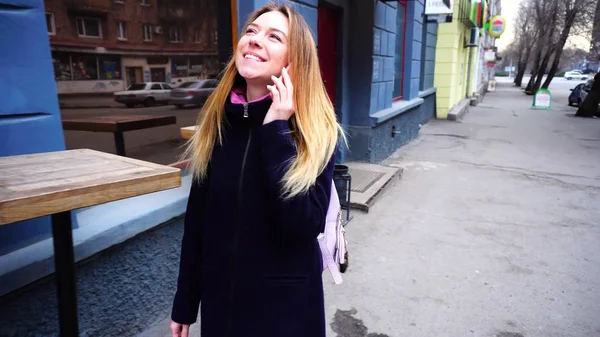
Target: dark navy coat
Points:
(250, 257)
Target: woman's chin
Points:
(250, 75)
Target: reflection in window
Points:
(62, 69)
(84, 67)
(110, 67)
(196, 65)
(179, 66)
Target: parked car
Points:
(149, 94)
(575, 75)
(193, 92)
(577, 95)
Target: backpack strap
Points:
(331, 265)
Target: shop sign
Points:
(497, 26)
(542, 99)
(437, 7)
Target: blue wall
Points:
(374, 115)
(29, 115)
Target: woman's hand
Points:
(179, 330)
(282, 94)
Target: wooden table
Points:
(187, 132)
(55, 183)
(117, 124)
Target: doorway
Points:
(133, 75)
(328, 26)
(158, 75)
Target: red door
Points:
(328, 23)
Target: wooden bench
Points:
(117, 125)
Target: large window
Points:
(399, 53)
(147, 32)
(175, 35)
(85, 67)
(50, 24)
(62, 66)
(197, 36)
(110, 67)
(122, 30)
(89, 27)
(196, 65)
(179, 66)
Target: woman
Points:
(263, 160)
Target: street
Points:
(161, 145)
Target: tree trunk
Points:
(536, 66)
(559, 48)
(522, 66)
(542, 70)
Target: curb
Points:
(459, 110)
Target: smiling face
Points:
(263, 49)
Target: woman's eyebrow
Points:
(275, 29)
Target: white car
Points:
(575, 75)
(149, 94)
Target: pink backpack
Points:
(333, 240)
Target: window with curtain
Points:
(399, 53)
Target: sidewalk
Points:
(104, 101)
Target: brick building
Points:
(103, 46)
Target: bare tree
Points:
(577, 15)
(526, 35)
(546, 20)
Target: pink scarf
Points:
(238, 96)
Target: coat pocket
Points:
(287, 305)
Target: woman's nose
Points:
(255, 40)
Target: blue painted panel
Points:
(414, 87)
(429, 67)
(419, 10)
(391, 44)
(417, 31)
(29, 115)
(388, 69)
(381, 101)
(310, 14)
(377, 37)
(416, 69)
(374, 106)
(384, 43)
(313, 3)
(390, 18)
(389, 92)
(417, 50)
(377, 69)
(380, 15)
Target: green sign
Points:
(542, 99)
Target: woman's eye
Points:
(276, 37)
(250, 31)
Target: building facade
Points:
(459, 51)
(103, 46)
(377, 60)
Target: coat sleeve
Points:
(189, 287)
(302, 216)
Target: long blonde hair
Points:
(314, 124)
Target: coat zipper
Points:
(237, 227)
